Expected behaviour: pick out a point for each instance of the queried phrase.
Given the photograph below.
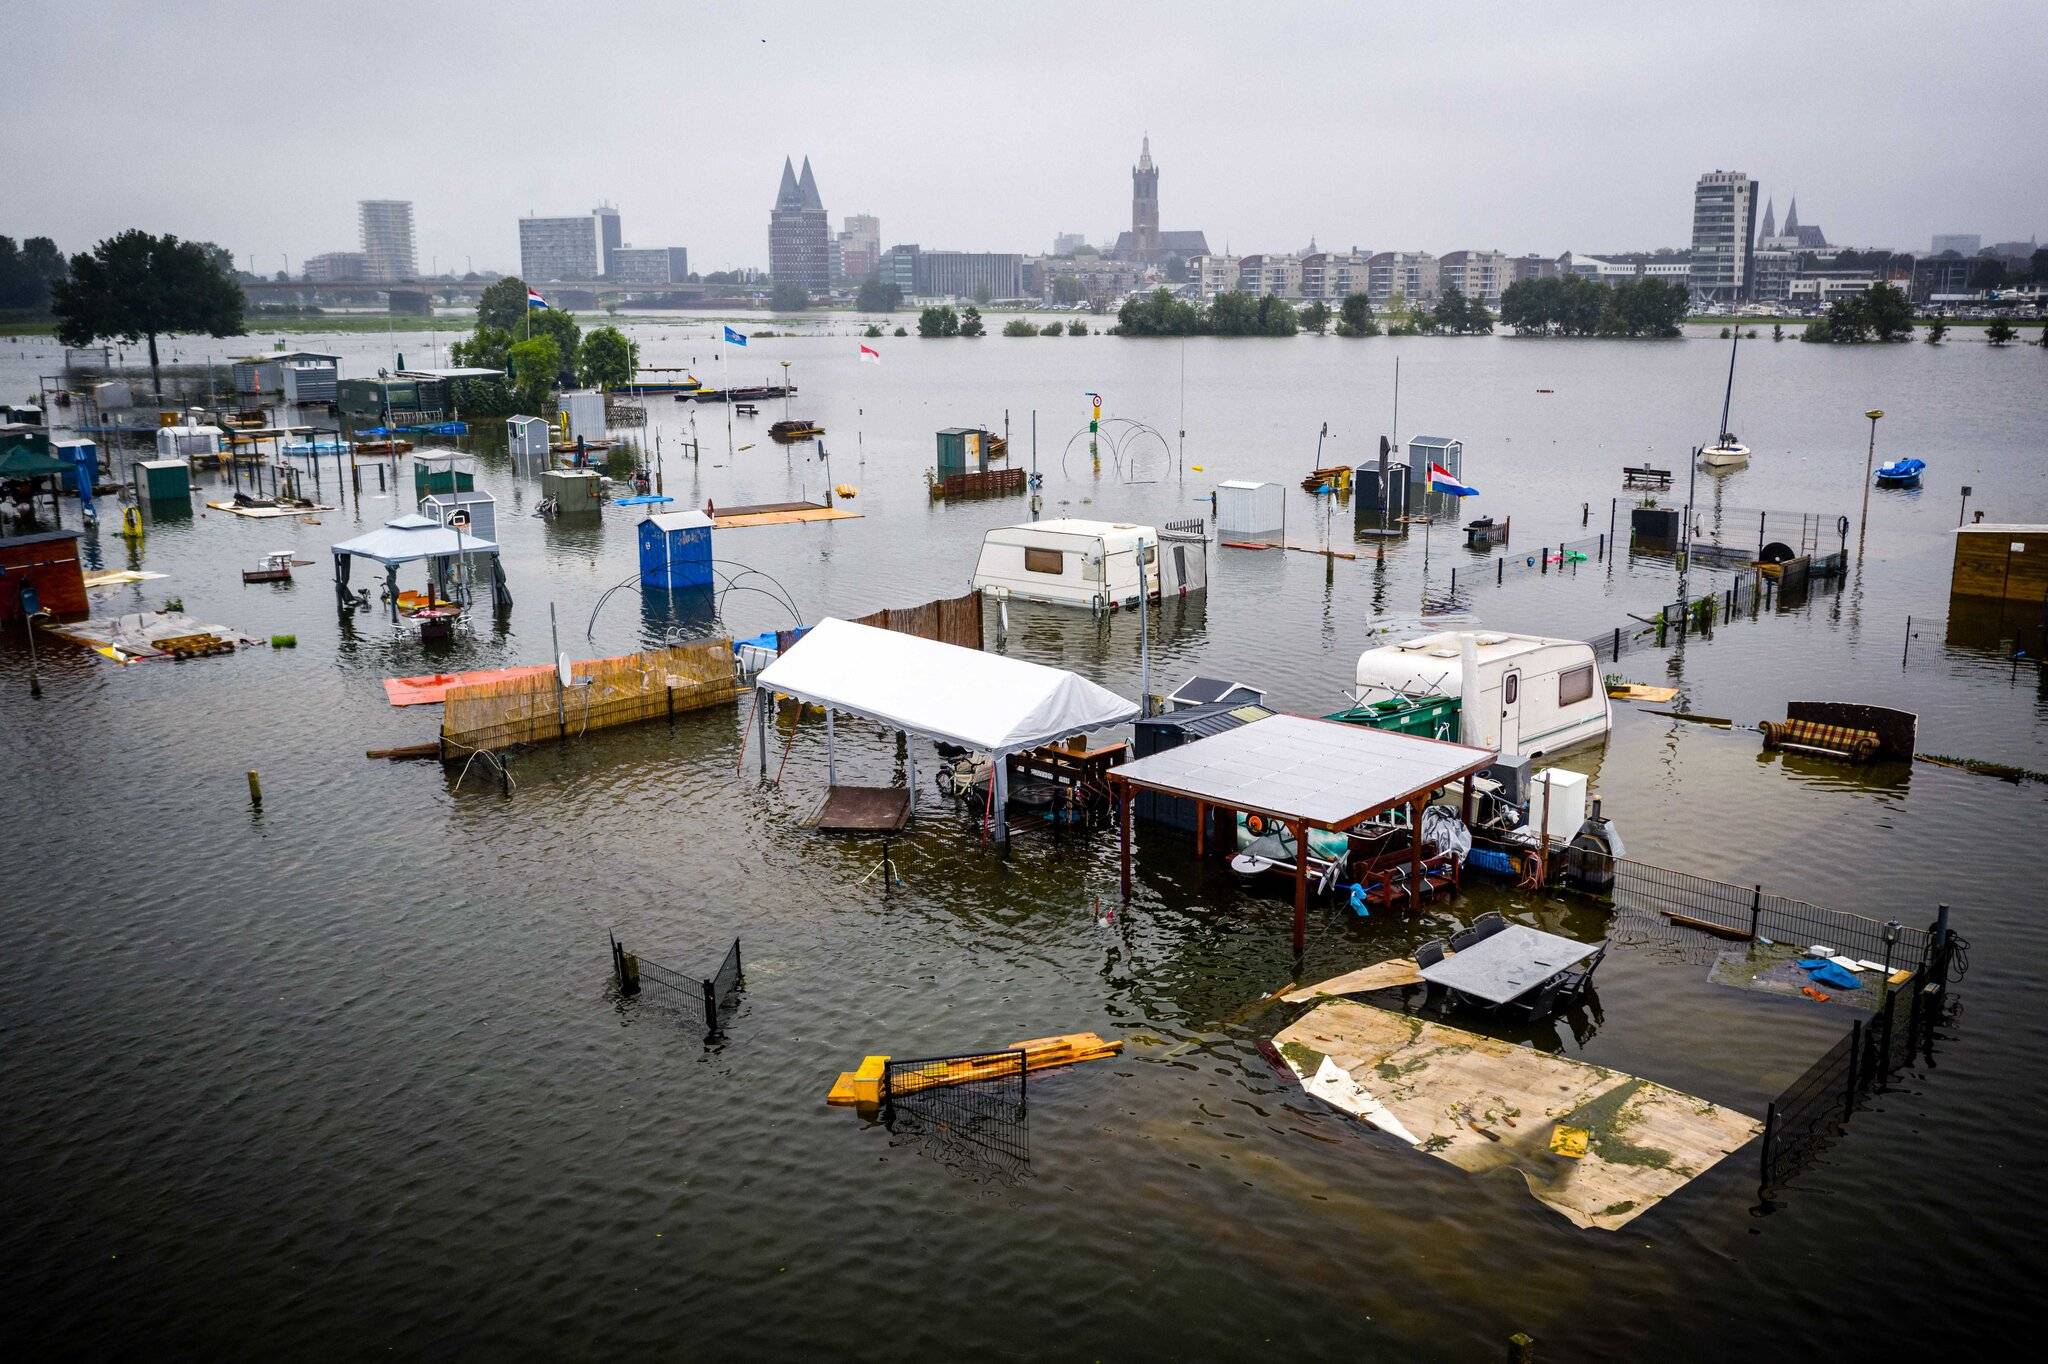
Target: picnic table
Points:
(1508, 964)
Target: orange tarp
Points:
(432, 689)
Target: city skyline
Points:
(1602, 155)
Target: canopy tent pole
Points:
(1300, 886)
(831, 758)
(1415, 854)
(1201, 828)
(391, 587)
(1466, 809)
(909, 777)
(766, 702)
(999, 781)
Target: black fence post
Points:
(1617, 644)
(1023, 1070)
(1756, 909)
(1855, 1070)
(739, 972)
(710, 1010)
(1454, 580)
(1765, 1160)
(1500, 571)
(1883, 1070)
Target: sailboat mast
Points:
(1735, 334)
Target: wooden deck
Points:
(863, 810)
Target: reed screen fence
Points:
(603, 693)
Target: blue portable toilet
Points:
(675, 550)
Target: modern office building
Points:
(559, 248)
(799, 233)
(1724, 235)
(1145, 243)
(1067, 243)
(337, 267)
(388, 249)
(953, 274)
(1772, 271)
(649, 265)
(609, 238)
(860, 247)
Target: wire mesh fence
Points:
(718, 991)
(966, 1111)
(1813, 1111)
(1751, 913)
(1562, 558)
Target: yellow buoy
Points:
(846, 490)
(1196, 467)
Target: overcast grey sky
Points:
(1434, 126)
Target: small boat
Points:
(275, 568)
(1901, 473)
(801, 428)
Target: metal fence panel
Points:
(967, 1111)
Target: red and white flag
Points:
(869, 355)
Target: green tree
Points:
(503, 306)
(1937, 333)
(1017, 326)
(1075, 328)
(28, 272)
(970, 322)
(1316, 318)
(1478, 319)
(562, 328)
(1234, 314)
(939, 321)
(1450, 313)
(789, 298)
(2000, 332)
(607, 359)
(1067, 290)
(1354, 317)
(536, 367)
(2037, 266)
(901, 332)
(137, 286)
(1987, 272)
(875, 296)
(872, 330)
(1777, 331)
(1158, 313)
(1530, 306)
(1889, 311)
(487, 348)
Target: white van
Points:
(1089, 564)
(1516, 693)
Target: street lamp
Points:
(785, 390)
(1869, 461)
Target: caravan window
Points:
(1151, 554)
(1051, 561)
(1574, 685)
(1511, 689)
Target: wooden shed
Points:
(2002, 562)
(48, 563)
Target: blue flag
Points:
(734, 338)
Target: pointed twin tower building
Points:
(799, 233)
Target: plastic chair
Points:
(1465, 937)
(1430, 953)
(1489, 923)
(1541, 1002)
(1582, 979)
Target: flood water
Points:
(349, 1074)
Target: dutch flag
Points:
(734, 337)
(870, 355)
(533, 298)
(1440, 480)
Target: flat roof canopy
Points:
(1322, 772)
(940, 691)
(404, 539)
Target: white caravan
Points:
(1516, 693)
(1089, 564)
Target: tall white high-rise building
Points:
(1724, 235)
(387, 239)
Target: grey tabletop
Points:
(1509, 964)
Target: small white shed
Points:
(1244, 508)
(188, 442)
(585, 411)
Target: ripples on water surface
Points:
(349, 1075)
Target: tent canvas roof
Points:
(1326, 773)
(22, 462)
(404, 539)
(941, 691)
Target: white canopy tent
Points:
(937, 691)
(408, 539)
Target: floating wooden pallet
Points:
(1040, 1053)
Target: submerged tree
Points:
(607, 359)
(938, 321)
(1936, 333)
(138, 286)
(1354, 317)
(970, 322)
(2000, 332)
(1316, 317)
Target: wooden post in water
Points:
(255, 791)
(1521, 1348)
(1300, 886)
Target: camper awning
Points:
(1327, 774)
(941, 691)
(405, 539)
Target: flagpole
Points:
(725, 381)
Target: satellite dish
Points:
(562, 668)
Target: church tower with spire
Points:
(1145, 204)
(1770, 228)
